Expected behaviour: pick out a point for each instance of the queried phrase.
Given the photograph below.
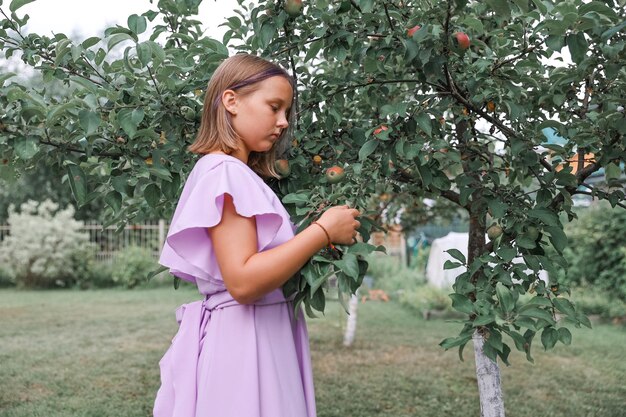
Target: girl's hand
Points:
(341, 224)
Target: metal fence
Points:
(147, 235)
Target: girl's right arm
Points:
(248, 274)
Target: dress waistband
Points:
(223, 299)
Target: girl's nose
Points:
(282, 121)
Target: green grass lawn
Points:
(96, 353)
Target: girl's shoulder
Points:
(213, 162)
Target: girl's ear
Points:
(230, 101)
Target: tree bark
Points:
(348, 337)
(487, 371)
(488, 377)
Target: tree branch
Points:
(499, 65)
(388, 17)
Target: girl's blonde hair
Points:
(241, 73)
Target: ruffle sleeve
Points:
(188, 250)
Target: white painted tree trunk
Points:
(489, 385)
(348, 337)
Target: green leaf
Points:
(78, 183)
(545, 215)
(349, 264)
(578, 46)
(505, 297)
(451, 342)
(565, 336)
(507, 253)
(557, 237)
(423, 121)
(89, 42)
(314, 48)
(537, 300)
(451, 265)
(127, 123)
(564, 306)
(368, 148)
(462, 303)
(318, 300)
(144, 53)
(89, 121)
(457, 254)
(497, 207)
(295, 198)
(117, 38)
(16, 4)
(500, 7)
(484, 320)
(26, 147)
(612, 171)
(114, 200)
(152, 194)
(615, 29)
(137, 24)
(5, 77)
(549, 337)
(525, 242)
(268, 30)
(538, 313)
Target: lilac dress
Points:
(229, 359)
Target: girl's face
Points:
(260, 117)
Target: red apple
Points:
(335, 174)
(380, 129)
(414, 29)
(293, 7)
(462, 40)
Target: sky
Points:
(81, 19)
(87, 18)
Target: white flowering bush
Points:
(46, 246)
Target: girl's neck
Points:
(239, 154)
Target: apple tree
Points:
(440, 100)
(448, 100)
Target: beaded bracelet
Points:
(330, 244)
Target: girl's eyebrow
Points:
(278, 100)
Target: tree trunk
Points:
(488, 377)
(487, 371)
(348, 337)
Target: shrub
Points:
(426, 298)
(131, 266)
(594, 301)
(597, 250)
(390, 275)
(46, 246)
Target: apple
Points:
(293, 7)
(532, 232)
(494, 232)
(282, 167)
(380, 129)
(335, 174)
(414, 29)
(188, 113)
(463, 41)
(317, 160)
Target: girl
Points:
(240, 352)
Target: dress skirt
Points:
(234, 360)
